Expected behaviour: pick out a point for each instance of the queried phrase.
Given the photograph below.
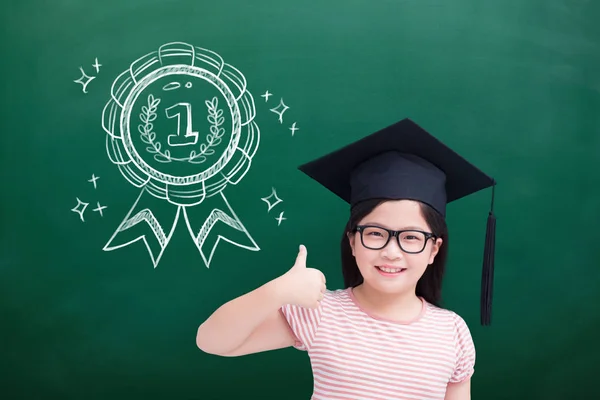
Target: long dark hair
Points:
(430, 285)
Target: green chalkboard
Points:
(149, 153)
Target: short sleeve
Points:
(303, 323)
(465, 352)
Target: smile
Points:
(388, 271)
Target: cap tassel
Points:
(487, 278)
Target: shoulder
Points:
(306, 322)
(454, 326)
(337, 295)
(332, 299)
(336, 299)
(337, 303)
(448, 319)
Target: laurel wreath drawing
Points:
(148, 136)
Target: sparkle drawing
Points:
(280, 110)
(93, 180)
(266, 96)
(96, 65)
(294, 128)
(99, 209)
(84, 80)
(280, 218)
(180, 125)
(272, 197)
(80, 208)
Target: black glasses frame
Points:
(396, 234)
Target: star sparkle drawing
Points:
(270, 198)
(84, 80)
(280, 218)
(99, 209)
(93, 180)
(280, 110)
(80, 208)
(294, 128)
(96, 65)
(266, 96)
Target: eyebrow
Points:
(410, 227)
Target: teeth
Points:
(390, 270)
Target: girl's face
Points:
(390, 269)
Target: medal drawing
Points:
(180, 127)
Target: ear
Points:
(351, 241)
(435, 249)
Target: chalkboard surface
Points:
(149, 153)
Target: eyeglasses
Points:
(410, 241)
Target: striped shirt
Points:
(358, 356)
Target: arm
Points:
(248, 324)
(459, 390)
(253, 323)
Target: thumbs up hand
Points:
(303, 286)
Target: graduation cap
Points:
(403, 161)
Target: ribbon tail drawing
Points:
(222, 223)
(142, 223)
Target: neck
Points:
(394, 306)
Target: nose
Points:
(392, 250)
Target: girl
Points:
(385, 335)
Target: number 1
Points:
(190, 137)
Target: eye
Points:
(414, 237)
(374, 232)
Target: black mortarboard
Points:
(403, 161)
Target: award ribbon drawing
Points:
(180, 127)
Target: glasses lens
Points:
(412, 241)
(374, 238)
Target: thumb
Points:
(301, 258)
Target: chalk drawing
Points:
(93, 180)
(180, 125)
(96, 65)
(280, 110)
(272, 200)
(280, 218)
(266, 96)
(294, 128)
(84, 80)
(80, 208)
(99, 209)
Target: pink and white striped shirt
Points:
(358, 356)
